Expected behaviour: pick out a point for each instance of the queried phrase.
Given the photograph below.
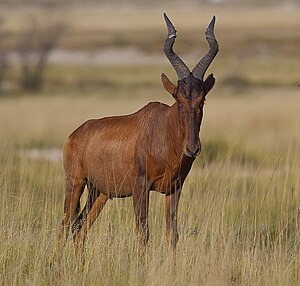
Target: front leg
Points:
(141, 205)
(171, 218)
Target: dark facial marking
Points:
(190, 99)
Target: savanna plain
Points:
(239, 214)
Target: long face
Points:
(190, 97)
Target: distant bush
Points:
(34, 50)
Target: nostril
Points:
(193, 153)
(188, 150)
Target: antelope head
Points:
(191, 89)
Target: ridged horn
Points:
(180, 67)
(200, 69)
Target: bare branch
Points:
(34, 51)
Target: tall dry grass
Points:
(238, 215)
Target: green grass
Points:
(234, 76)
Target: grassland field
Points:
(239, 214)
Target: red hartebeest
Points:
(151, 149)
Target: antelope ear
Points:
(209, 83)
(168, 85)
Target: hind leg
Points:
(90, 219)
(74, 189)
(81, 219)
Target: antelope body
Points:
(151, 149)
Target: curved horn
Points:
(200, 69)
(179, 66)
